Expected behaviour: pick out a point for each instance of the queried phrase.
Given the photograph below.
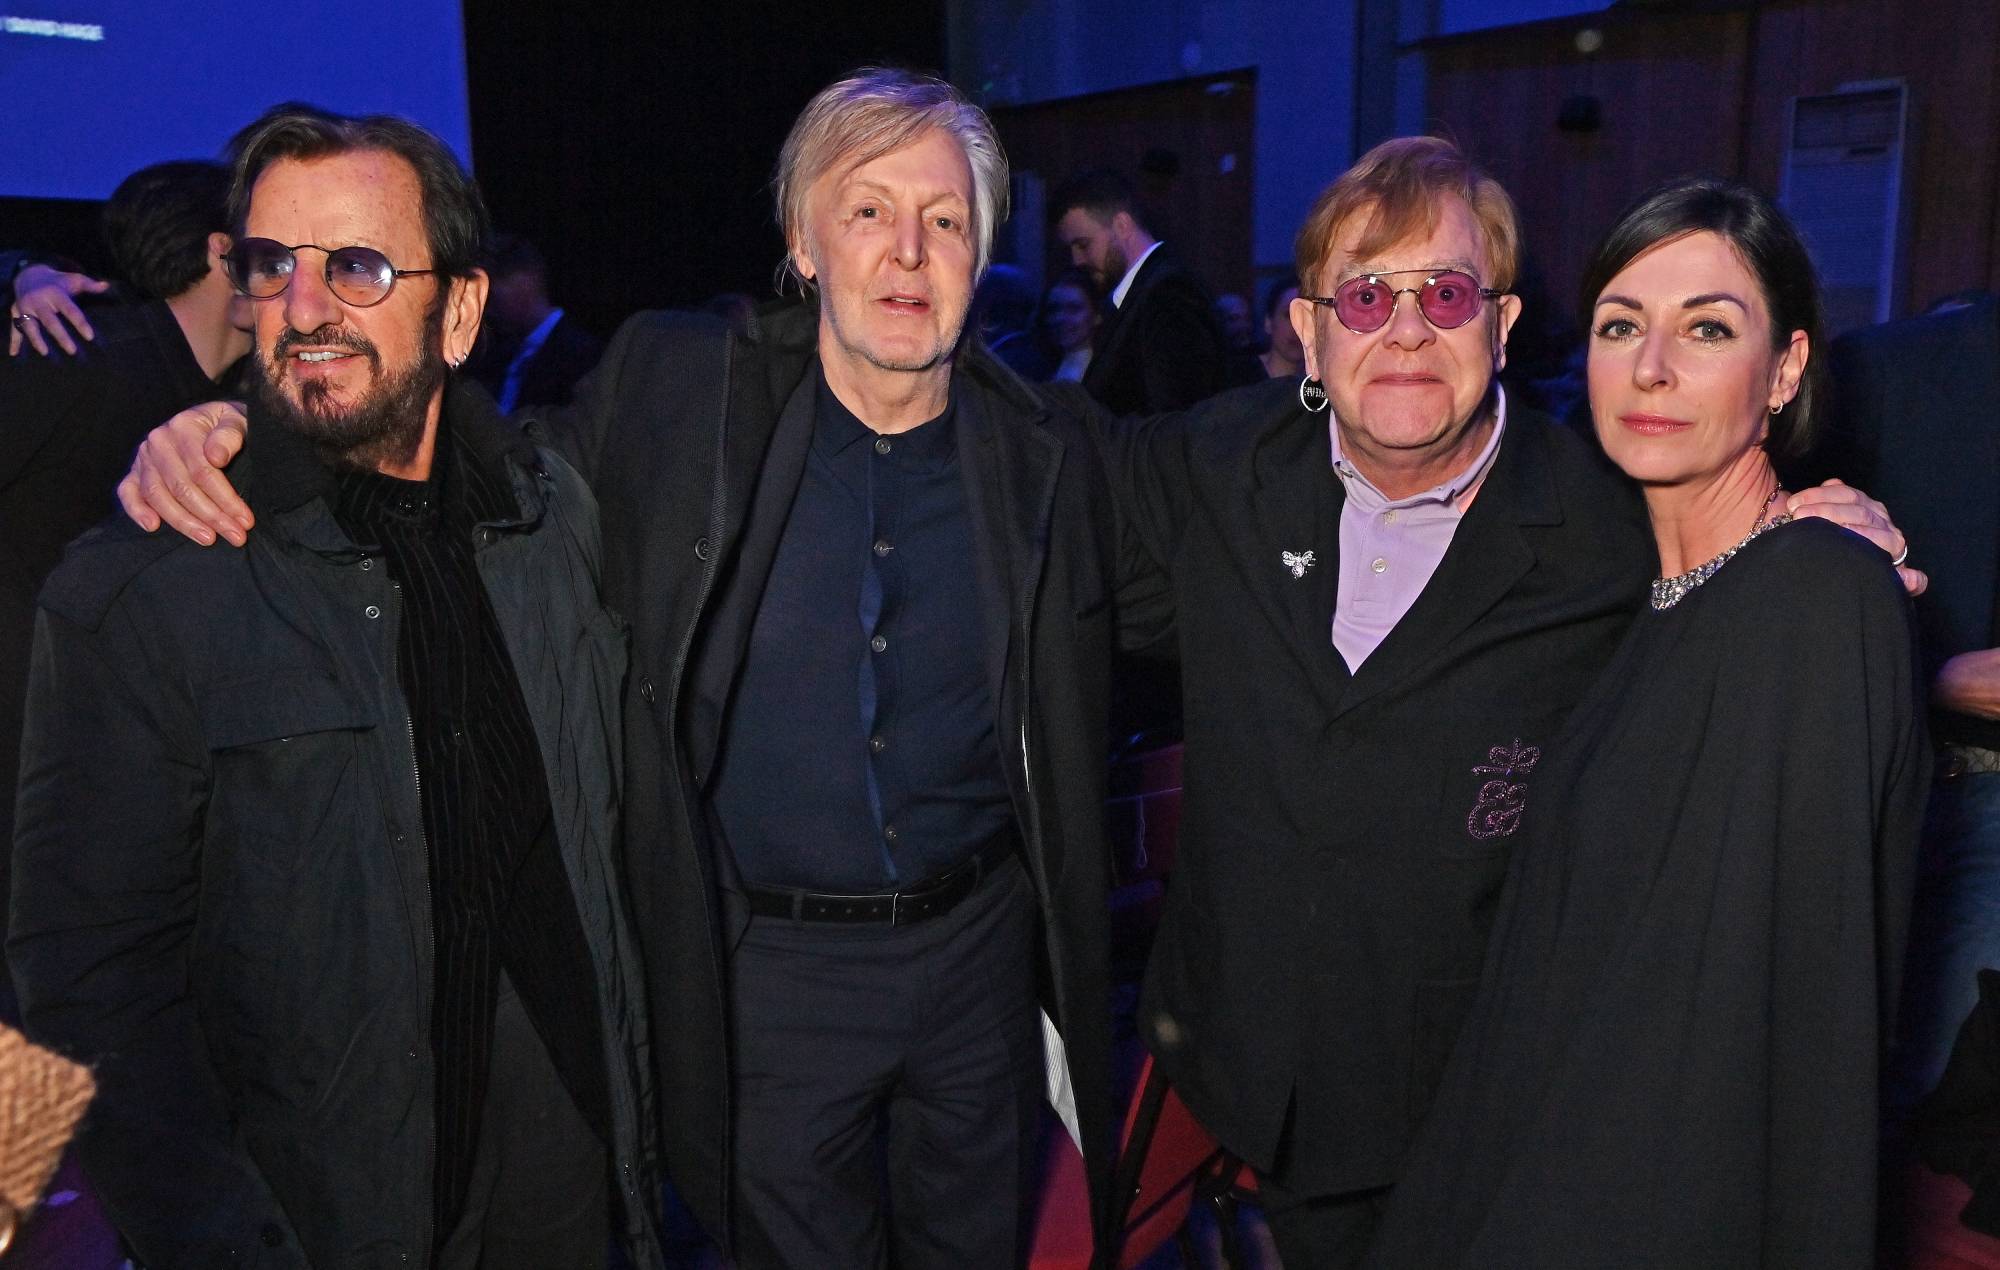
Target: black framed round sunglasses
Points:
(261, 268)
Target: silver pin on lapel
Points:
(1298, 562)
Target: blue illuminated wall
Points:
(97, 88)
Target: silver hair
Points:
(874, 112)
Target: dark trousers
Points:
(539, 1192)
(888, 1083)
(1321, 1232)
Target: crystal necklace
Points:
(1668, 592)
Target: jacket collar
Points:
(1488, 555)
(1297, 502)
(285, 480)
(1010, 461)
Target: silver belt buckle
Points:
(1962, 760)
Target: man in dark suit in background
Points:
(533, 352)
(1162, 347)
(1917, 421)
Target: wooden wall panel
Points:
(1670, 88)
(1711, 92)
(1207, 123)
(1948, 52)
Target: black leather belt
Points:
(931, 897)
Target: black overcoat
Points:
(675, 429)
(1343, 838)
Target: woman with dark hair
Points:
(1674, 1057)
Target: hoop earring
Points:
(1312, 394)
(1775, 409)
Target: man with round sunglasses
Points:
(1390, 588)
(315, 853)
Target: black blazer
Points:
(1163, 349)
(1340, 851)
(1916, 423)
(681, 430)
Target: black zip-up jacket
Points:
(221, 896)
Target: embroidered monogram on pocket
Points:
(1497, 813)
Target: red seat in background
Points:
(1934, 1238)
(1164, 1159)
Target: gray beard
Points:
(384, 429)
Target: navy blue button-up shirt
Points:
(859, 752)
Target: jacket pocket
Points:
(275, 707)
(284, 756)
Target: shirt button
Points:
(701, 548)
(1379, 565)
(367, 563)
(889, 832)
(882, 445)
(646, 690)
(879, 644)
(1389, 517)
(486, 537)
(882, 547)
(877, 744)
(372, 612)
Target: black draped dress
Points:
(1674, 1056)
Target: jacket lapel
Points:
(1111, 337)
(1294, 560)
(762, 461)
(1010, 481)
(1487, 556)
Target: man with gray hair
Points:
(869, 581)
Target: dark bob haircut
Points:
(158, 220)
(1769, 248)
(455, 218)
